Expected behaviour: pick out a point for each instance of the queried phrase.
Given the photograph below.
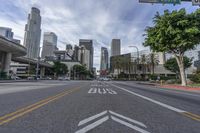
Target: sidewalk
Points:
(172, 87)
(12, 81)
(179, 87)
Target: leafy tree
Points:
(80, 71)
(60, 68)
(172, 64)
(174, 32)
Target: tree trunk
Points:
(179, 60)
(153, 68)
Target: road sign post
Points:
(196, 2)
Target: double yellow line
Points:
(192, 116)
(11, 116)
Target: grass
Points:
(194, 85)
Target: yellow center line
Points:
(192, 116)
(11, 116)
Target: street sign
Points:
(161, 1)
(196, 2)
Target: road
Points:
(96, 107)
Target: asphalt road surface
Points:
(96, 107)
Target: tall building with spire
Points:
(33, 33)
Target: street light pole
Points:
(38, 59)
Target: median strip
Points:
(11, 116)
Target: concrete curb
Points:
(13, 81)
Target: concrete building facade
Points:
(9, 49)
(49, 44)
(115, 47)
(33, 33)
(85, 57)
(104, 59)
(88, 44)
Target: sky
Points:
(99, 20)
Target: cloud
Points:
(100, 20)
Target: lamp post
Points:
(137, 55)
(38, 60)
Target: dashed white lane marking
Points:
(92, 118)
(152, 100)
(129, 125)
(93, 125)
(128, 119)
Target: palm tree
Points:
(143, 62)
(152, 61)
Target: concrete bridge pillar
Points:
(5, 62)
(42, 71)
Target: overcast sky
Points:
(100, 20)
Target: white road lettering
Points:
(102, 91)
(113, 116)
(93, 90)
(92, 118)
(93, 125)
(129, 125)
(128, 119)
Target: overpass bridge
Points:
(9, 49)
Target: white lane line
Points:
(129, 125)
(93, 125)
(92, 118)
(129, 119)
(151, 100)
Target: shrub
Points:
(196, 77)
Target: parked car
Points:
(31, 78)
(64, 78)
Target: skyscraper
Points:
(8, 34)
(49, 44)
(88, 44)
(104, 58)
(33, 33)
(84, 57)
(76, 53)
(115, 47)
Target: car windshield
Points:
(99, 66)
